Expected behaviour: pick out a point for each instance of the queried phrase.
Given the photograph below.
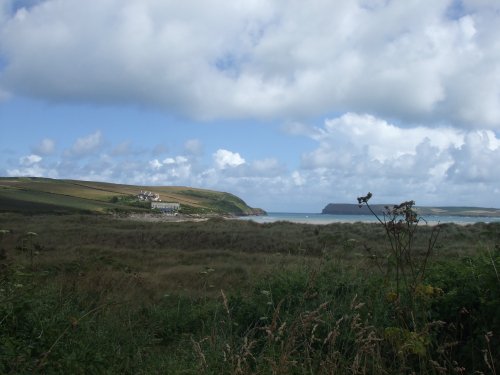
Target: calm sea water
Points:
(328, 219)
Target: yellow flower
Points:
(428, 291)
(391, 296)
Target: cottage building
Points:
(166, 207)
(148, 196)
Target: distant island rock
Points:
(354, 209)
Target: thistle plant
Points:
(405, 271)
(400, 223)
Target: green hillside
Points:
(45, 195)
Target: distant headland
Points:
(354, 209)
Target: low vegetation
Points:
(96, 294)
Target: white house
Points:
(166, 207)
(148, 196)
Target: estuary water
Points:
(315, 218)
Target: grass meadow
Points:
(87, 294)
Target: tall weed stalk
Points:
(411, 333)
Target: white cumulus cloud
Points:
(439, 165)
(477, 160)
(87, 145)
(428, 63)
(353, 138)
(45, 147)
(224, 158)
(30, 159)
(155, 164)
(31, 165)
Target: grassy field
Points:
(97, 294)
(43, 195)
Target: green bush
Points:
(470, 304)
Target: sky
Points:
(290, 105)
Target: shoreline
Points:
(322, 219)
(162, 218)
(179, 218)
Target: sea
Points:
(315, 218)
